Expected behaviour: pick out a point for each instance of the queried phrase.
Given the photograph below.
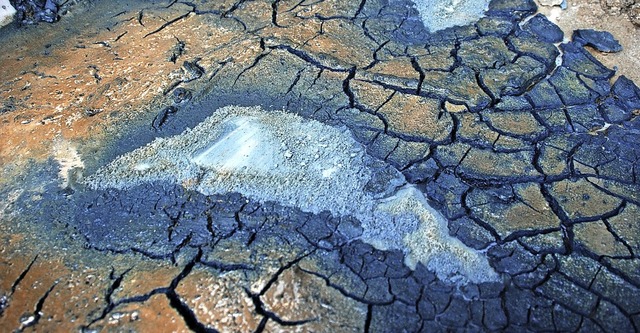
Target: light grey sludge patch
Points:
(296, 162)
(442, 14)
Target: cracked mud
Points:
(162, 168)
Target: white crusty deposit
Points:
(281, 157)
(441, 14)
(6, 13)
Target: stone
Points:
(155, 311)
(455, 315)
(499, 179)
(447, 191)
(471, 233)
(512, 259)
(634, 14)
(482, 164)
(565, 319)
(602, 41)
(543, 28)
(623, 295)
(514, 103)
(437, 57)
(494, 317)
(473, 131)
(585, 119)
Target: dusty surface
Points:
(532, 162)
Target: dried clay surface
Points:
(325, 166)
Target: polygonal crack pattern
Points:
(534, 161)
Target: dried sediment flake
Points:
(442, 14)
(278, 156)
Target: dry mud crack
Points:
(328, 166)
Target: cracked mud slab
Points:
(502, 135)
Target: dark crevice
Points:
(281, 270)
(347, 89)
(176, 303)
(117, 281)
(254, 64)
(262, 325)
(120, 36)
(261, 310)
(141, 298)
(403, 90)
(140, 15)
(166, 24)
(307, 58)
(224, 267)
(613, 194)
(343, 291)
(478, 221)
(367, 321)
(529, 233)
(187, 314)
(360, 8)
(37, 311)
(274, 13)
(22, 275)
(218, 69)
(118, 14)
(295, 81)
(618, 238)
(416, 66)
(375, 56)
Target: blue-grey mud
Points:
(329, 166)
